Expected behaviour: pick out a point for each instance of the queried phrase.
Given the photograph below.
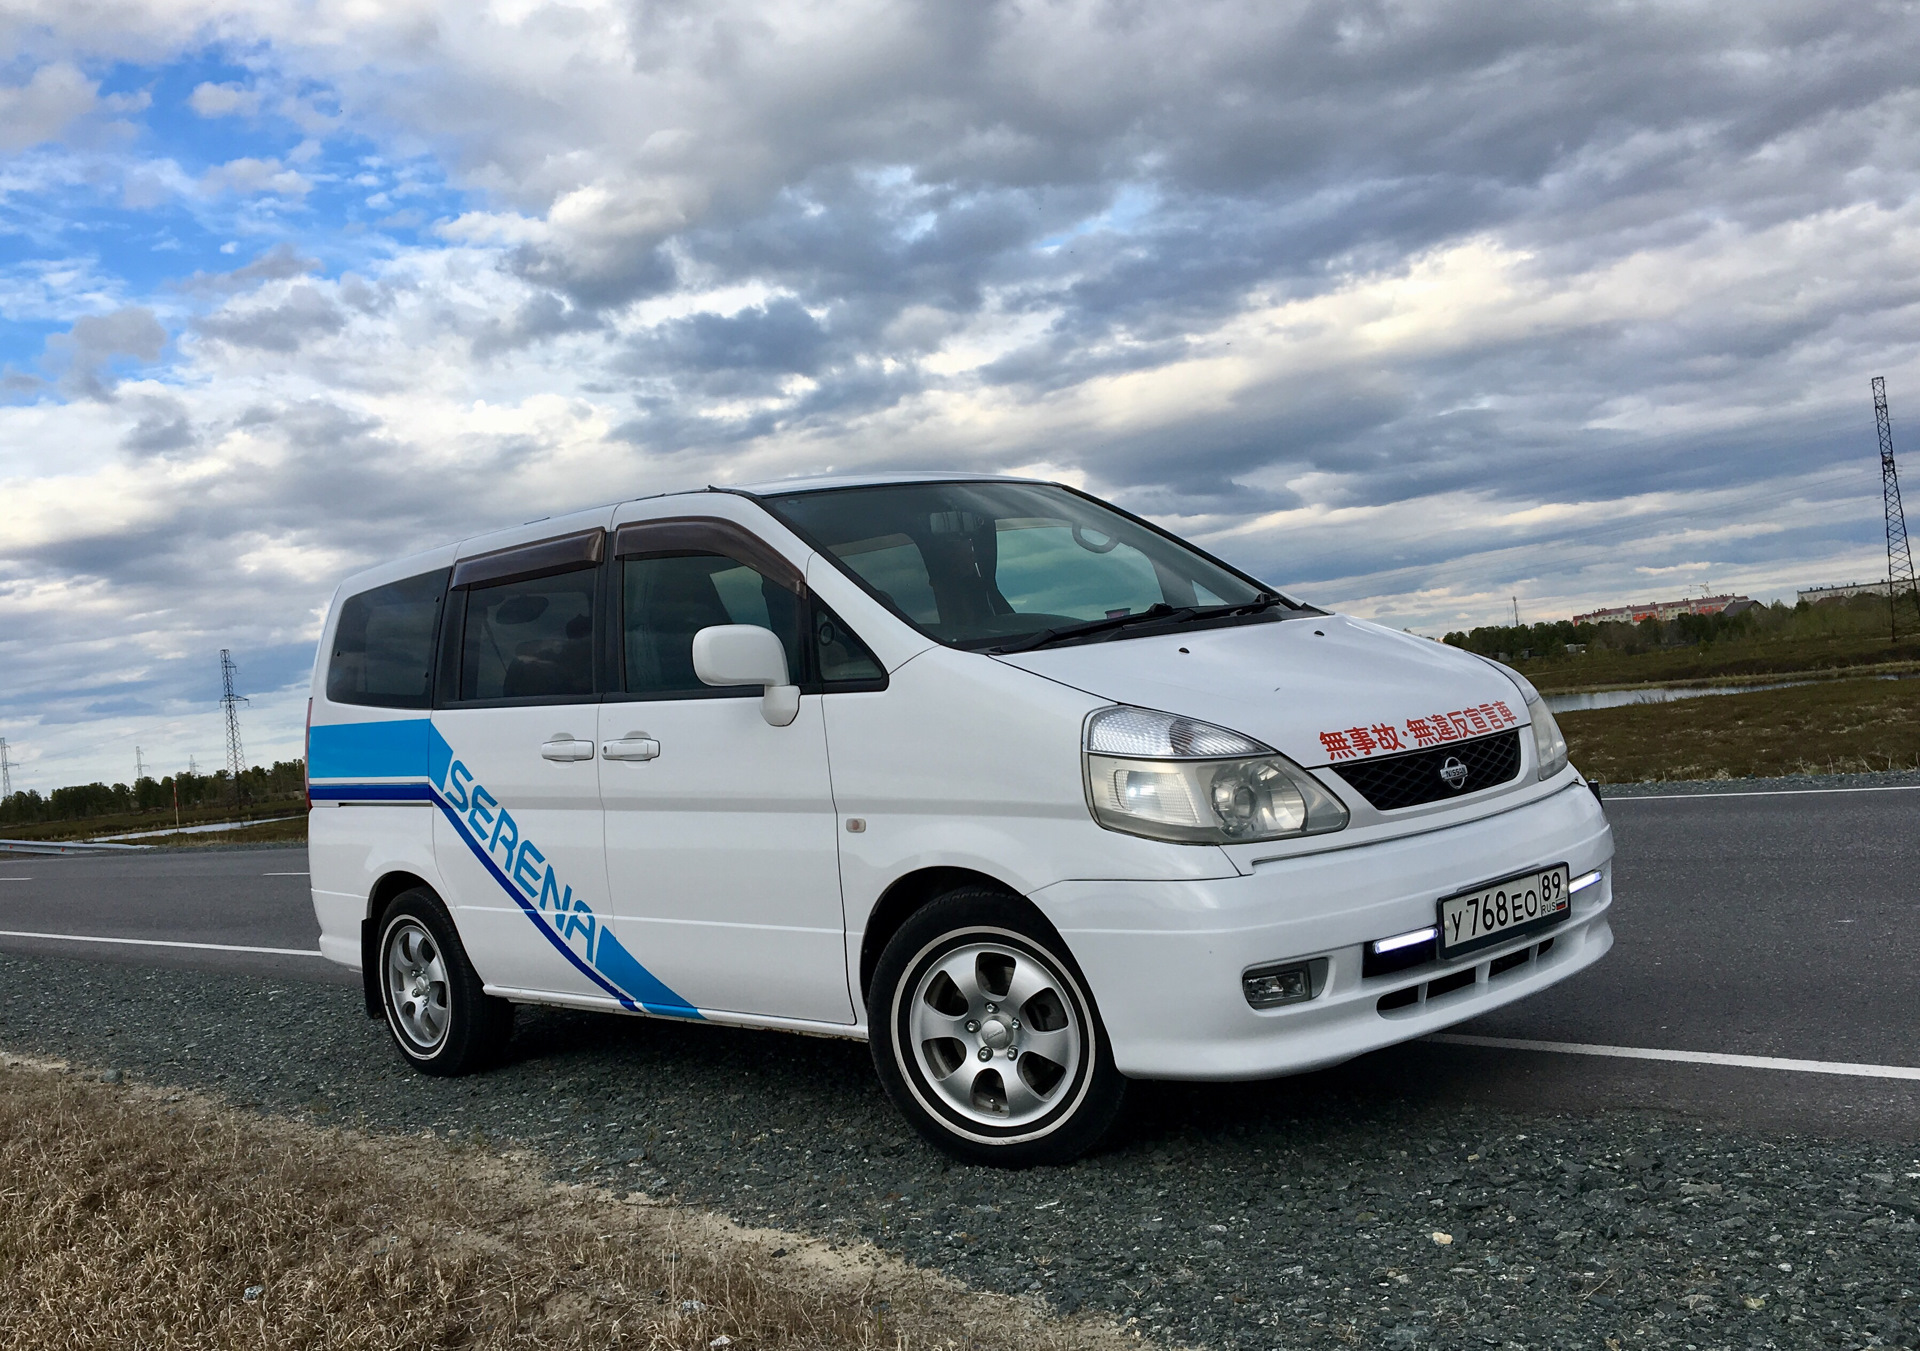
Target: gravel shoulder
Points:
(1339, 1209)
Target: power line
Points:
(230, 702)
(1899, 553)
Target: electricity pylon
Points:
(1899, 553)
(236, 754)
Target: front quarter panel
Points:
(965, 762)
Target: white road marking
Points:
(166, 943)
(15, 879)
(1750, 1062)
(1761, 792)
(286, 874)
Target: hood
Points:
(1320, 690)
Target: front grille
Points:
(1408, 780)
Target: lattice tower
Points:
(230, 702)
(1899, 553)
(6, 771)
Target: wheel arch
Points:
(390, 885)
(913, 890)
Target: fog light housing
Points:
(1268, 987)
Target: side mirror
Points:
(746, 654)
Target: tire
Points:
(977, 970)
(442, 1019)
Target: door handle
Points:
(633, 746)
(564, 748)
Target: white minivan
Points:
(1029, 793)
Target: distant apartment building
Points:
(1843, 591)
(1667, 609)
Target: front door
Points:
(722, 856)
(518, 835)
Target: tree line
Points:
(283, 780)
(1856, 616)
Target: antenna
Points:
(6, 771)
(1899, 554)
(229, 701)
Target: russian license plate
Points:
(1505, 909)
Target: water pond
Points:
(1666, 694)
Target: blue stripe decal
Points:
(373, 792)
(613, 958)
(413, 748)
(559, 944)
(370, 750)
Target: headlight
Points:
(1172, 778)
(1549, 746)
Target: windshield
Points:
(976, 564)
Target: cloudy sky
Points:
(1406, 307)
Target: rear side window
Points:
(529, 638)
(383, 645)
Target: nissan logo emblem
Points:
(1454, 773)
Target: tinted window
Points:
(529, 638)
(974, 564)
(383, 645)
(665, 601)
(893, 566)
(1044, 571)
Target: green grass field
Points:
(93, 827)
(1732, 661)
(1833, 727)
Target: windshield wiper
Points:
(1158, 612)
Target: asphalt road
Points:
(1770, 925)
(1582, 1201)
(234, 898)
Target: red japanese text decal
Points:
(1383, 738)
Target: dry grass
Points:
(131, 1217)
(1835, 727)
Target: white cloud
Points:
(1413, 315)
(224, 100)
(42, 109)
(249, 176)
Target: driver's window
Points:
(666, 600)
(1049, 568)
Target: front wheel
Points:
(442, 1019)
(985, 1037)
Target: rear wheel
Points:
(985, 1037)
(442, 1019)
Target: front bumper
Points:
(1164, 959)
